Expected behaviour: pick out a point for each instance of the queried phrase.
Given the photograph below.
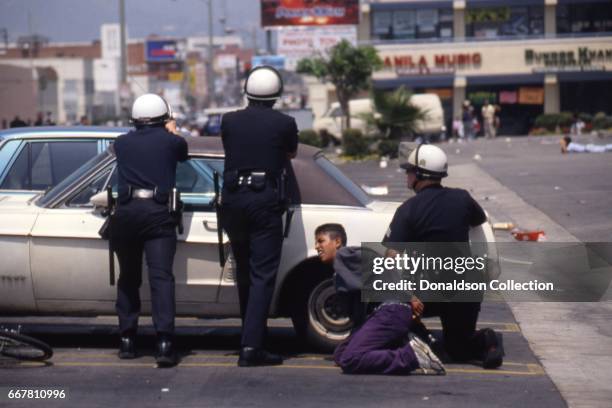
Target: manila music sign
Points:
(412, 64)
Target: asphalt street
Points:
(86, 366)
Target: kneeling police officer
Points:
(259, 143)
(146, 168)
(442, 214)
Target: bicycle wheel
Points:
(23, 347)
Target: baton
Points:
(216, 203)
(111, 255)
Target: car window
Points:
(6, 153)
(57, 191)
(194, 179)
(98, 184)
(17, 177)
(41, 165)
(336, 112)
(348, 184)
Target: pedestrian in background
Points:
(468, 120)
(488, 120)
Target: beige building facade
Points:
(527, 56)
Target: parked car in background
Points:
(212, 127)
(54, 262)
(330, 124)
(38, 158)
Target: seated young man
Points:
(383, 344)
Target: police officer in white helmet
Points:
(259, 143)
(438, 214)
(146, 169)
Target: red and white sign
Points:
(297, 43)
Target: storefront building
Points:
(527, 56)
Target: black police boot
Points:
(494, 349)
(252, 357)
(127, 347)
(165, 356)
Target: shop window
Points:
(412, 24)
(509, 21)
(584, 17)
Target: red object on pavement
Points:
(520, 235)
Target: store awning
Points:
(415, 81)
(580, 76)
(522, 79)
(411, 5)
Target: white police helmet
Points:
(263, 83)
(149, 109)
(426, 161)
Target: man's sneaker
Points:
(428, 361)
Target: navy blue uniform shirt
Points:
(258, 138)
(436, 214)
(147, 158)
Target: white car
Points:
(54, 262)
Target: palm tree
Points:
(395, 117)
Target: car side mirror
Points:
(99, 200)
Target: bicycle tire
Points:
(23, 347)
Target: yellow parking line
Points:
(529, 366)
(532, 369)
(492, 372)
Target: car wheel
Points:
(322, 316)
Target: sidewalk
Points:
(572, 340)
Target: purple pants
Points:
(381, 345)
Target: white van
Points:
(331, 122)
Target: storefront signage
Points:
(161, 50)
(488, 15)
(436, 64)
(531, 96)
(311, 12)
(583, 57)
(295, 43)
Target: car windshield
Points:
(78, 173)
(348, 184)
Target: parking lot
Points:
(534, 371)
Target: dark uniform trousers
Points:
(145, 226)
(253, 221)
(461, 340)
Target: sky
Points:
(80, 20)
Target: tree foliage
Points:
(349, 68)
(395, 117)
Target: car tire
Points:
(321, 315)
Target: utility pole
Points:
(210, 75)
(31, 47)
(123, 59)
(123, 85)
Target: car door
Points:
(70, 262)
